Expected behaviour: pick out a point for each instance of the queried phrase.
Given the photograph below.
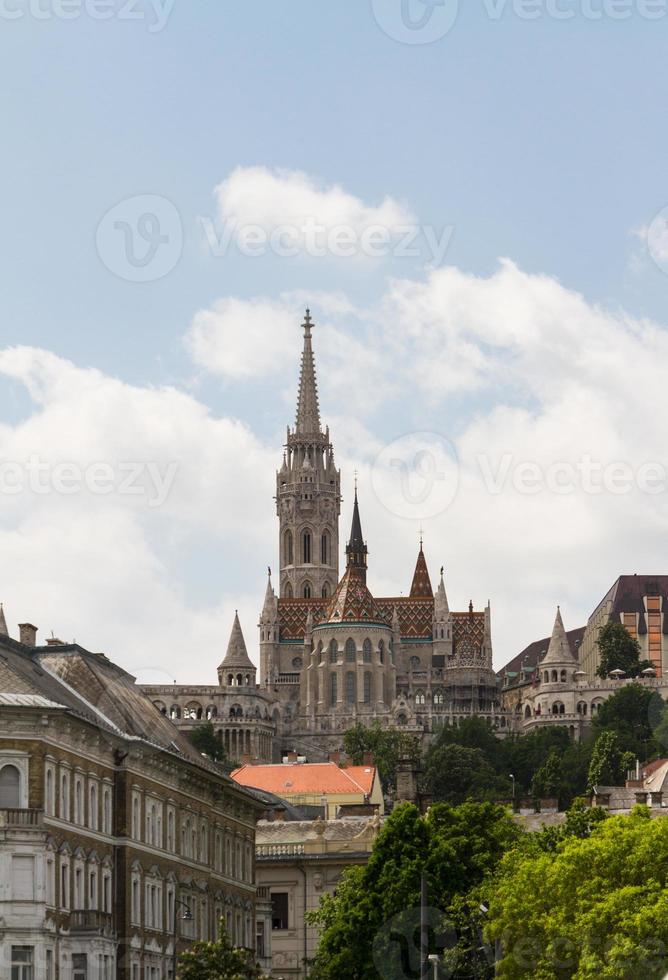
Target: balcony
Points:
(91, 922)
(14, 817)
(264, 851)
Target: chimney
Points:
(28, 634)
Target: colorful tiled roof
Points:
(421, 585)
(296, 779)
(352, 601)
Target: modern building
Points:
(119, 843)
(335, 788)
(331, 652)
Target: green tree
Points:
(455, 773)
(204, 739)
(387, 745)
(549, 779)
(630, 714)
(607, 762)
(618, 650)
(218, 960)
(372, 919)
(589, 909)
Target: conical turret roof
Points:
(559, 651)
(421, 585)
(441, 601)
(237, 654)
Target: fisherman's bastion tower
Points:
(331, 654)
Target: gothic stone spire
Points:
(559, 651)
(421, 585)
(356, 549)
(237, 654)
(308, 411)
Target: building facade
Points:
(119, 843)
(331, 653)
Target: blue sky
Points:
(543, 142)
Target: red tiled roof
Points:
(294, 779)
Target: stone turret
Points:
(237, 669)
(558, 665)
(442, 624)
(269, 636)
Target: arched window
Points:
(333, 652)
(333, 689)
(415, 663)
(381, 651)
(325, 549)
(527, 712)
(325, 591)
(307, 590)
(582, 708)
(438, 697)
(174, 712)
(366, 651)
(306, 547)
(546, 677)
(367, 687)
(419, 698)
(288, 549)
(555, 677)
(288, 591)
(351, 651)
(564, 676)
(350, 687)
(9, 788)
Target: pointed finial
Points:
(442, 570)
(421, 537)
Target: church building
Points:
(331, 653)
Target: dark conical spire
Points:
(308, 410)
(356, 549)
(3, 622)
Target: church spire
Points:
(356, 550)
(3, 622)
(308, 410)
(421, 585)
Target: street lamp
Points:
(510, 776)
(186, 916)
(435, 960)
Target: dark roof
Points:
(356, 543)
(531, 656)
(627, 596)
(421, 585)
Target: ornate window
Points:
(333, 689)
(350, 688)
(325, 591)
(288, 591)
(366, 651)
(306, 547)
(420, 698)
(415, 663)
(307, 590)
(325, 549)
(333, 652)
(351, 651)
(367, 687)
(288, 548)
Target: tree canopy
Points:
(218, 960)
(387, 745)
(374, 915)
(594, 907)
(618, 650)
(204, 739)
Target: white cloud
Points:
(298, 214)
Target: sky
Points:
(472, 199)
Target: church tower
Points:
(308, 495)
